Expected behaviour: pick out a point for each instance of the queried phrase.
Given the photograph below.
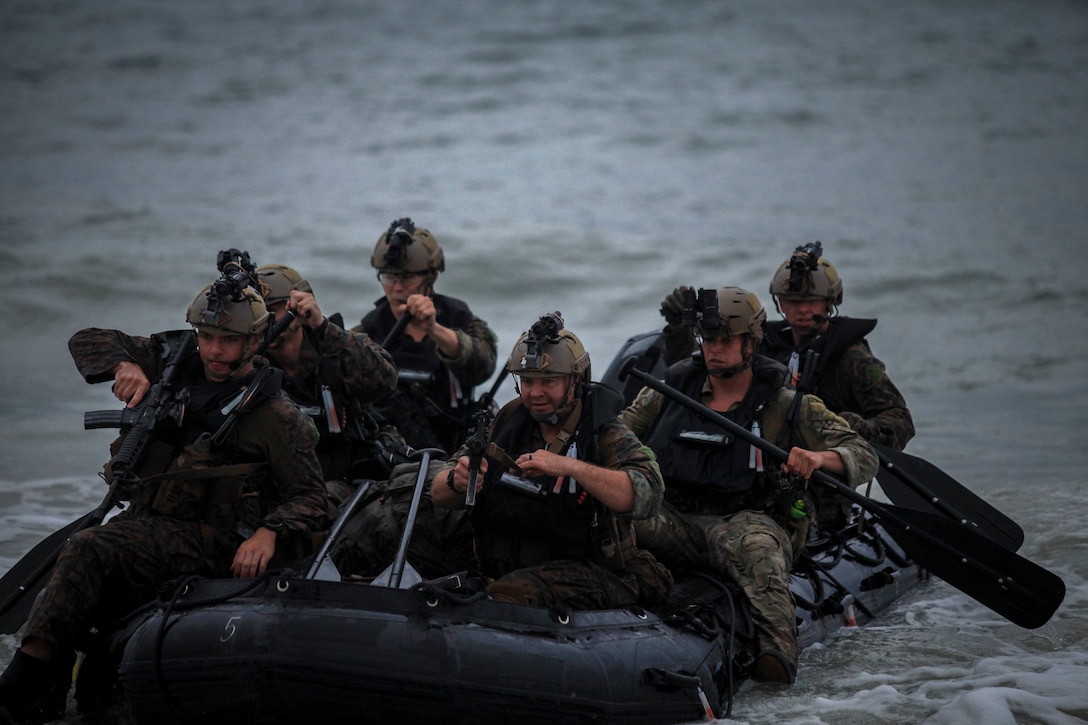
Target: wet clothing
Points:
(565, 549)
(430, 407)
(720, 510)
(196, 501)
(848, 378)
(353, 372)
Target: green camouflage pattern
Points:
(365, 369)
(366, 376)
(572, 584)
(857, 387)
(106, 568)
(585, 584)
(441, 541)
(478, 352)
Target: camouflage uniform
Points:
(358, 373)
(849, 379)
(441, 541)
(750, 535)
(107, 568)
(562, 550)
(433, 414)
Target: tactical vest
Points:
(321, 396)
(201, 482)
(702, 461)
(842, 332)
(426, 386)
(514, 530)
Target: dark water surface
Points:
(588, 158)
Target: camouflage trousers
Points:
(441, 541)
(106, 570)
(575, 584)
(748, 546)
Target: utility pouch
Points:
(157, 458)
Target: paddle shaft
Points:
(1024, 593)
(397, 329)
(396, 572)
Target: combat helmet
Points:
(278, 281)
(729, 312)
(547, 349)
(404, 247)
(242, 311)
(807, 275)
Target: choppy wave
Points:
(589, 158)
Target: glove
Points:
(672, 307)
(853, 419)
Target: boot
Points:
(34, 690)
(773, 666)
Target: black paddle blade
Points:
(21, 584)
(1019, 590)
(918, 484)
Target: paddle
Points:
(21, 584)
(906, 486)
(394, 575)
(1017, 589)
(323, 567)
(398, 328)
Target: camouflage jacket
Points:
(849, 379)
(617, 448)
(513, 530)
(360, 366)
(814, 428)
(275, 431)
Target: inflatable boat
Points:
(312, 646)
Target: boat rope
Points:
(696, 615)
(879, 553)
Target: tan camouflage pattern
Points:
(750, 546)
(855, 385)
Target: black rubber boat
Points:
(306, 646)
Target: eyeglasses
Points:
(404, 278)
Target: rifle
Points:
(477, 440)
(163, 401)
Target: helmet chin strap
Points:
(565, 408)
(246, 358)
(744, 364)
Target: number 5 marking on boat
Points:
(229, 629)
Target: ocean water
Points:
(588, 158)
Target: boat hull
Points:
(287, 648)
